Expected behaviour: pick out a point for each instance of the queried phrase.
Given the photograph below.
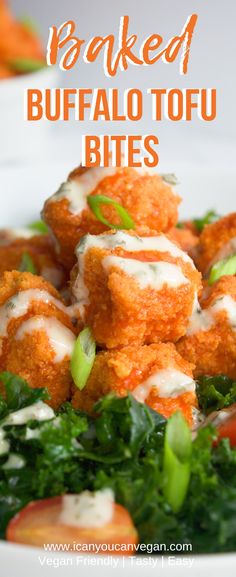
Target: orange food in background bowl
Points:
(21, 49)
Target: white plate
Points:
(22, 193)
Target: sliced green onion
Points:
(27, 264)
(94, 203)
(82, 358)
(210, 217)
(39, 226)
(176, 465)
(227, 266)
(29, 24)
(26, 65)
(170, 178)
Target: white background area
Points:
(211, 64)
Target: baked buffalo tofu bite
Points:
(37, 334)
(155, 374)
(217, 242)
(186, 239)
(23, 249)
(150, 202)
(210, 342)
(130, 289)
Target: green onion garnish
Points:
(227, 266)
(27, 264)
(170, 178)
(94, 203)
(210, 217)
(39, 226)
(29, 24)
(83, 357)
(176, 465)
(26, 65)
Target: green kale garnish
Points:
(124, 447)
(215, 393)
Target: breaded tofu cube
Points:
(155, 374)
(14, 244)
(216, 242)
(150, 201)
(185, 238)
(37, 334)
(210, 342)
(40, 352)
(134, 290)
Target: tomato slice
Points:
(228, 429)
(225, 423)
(38, 524)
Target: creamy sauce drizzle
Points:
(14, 462)
(19, 304)
(131, 243)
(88, 509)
(204, 319)
(4, 444)
(167, 383)
(38, 412)
(154, 275)
(60, 337)
(128, 243)
(77, 190)
(31, 434)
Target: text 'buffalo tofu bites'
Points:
(36, 334)
(134, 290)
(210, 342)
(217, 242)
(18, 245)
(149, 200)
(155, 374)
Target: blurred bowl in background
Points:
(22, 140)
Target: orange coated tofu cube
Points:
(134, 290)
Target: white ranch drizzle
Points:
(200, 320)
(77, 189)
(4, 444)
(38, 412)
(14, 462)
(146, 274)
(125, 241)
(60, 337)
(131, 243)
(88, 509)
(167, 383)
(32, 433)
(19, 304)
(204, 319)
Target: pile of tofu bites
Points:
(114, 260)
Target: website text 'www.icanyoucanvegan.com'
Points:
(106, 548)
